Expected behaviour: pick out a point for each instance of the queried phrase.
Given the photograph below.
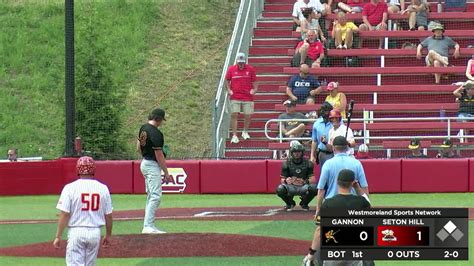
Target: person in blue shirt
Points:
(320, 136)
(327, 185)
(303, 87)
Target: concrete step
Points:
(286, 42)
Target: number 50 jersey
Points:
(87, 201)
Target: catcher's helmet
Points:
(85, 166)
(335, 114)
(296, 146)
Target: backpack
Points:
(352, 61)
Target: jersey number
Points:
(90, 201)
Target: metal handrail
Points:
(371, 120)
(240, 42)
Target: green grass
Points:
(153, 46)
(31, 207)
(42, 207)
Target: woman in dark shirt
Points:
(465, 95)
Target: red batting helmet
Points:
(334, 113)
(85, 166)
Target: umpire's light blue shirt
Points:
(320, 129)
(331, 169)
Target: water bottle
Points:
(439, 6)
(442, 113)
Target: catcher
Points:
(296, 172)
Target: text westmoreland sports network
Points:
(394, 212)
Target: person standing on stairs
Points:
(240, 81)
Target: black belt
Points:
(326, 152)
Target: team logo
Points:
(177, 183)
(388, 235)
(298, 171)
(330, 236)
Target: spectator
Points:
(343, 31)
(438, 47)
(374, 17)
(319, 136)
(465, 95)
(345, 199)
(352, 6)
(296, 173)
(240, 83)
(303, 87)
(415, 148)
(309, 51)
(296, 128)
(418, 15)
(470, 69)
(363, 152)
(311, 22)
(447, 150)
(300, 5)
(336, 98)
(339, 129)
(395, 6)
(12, 155)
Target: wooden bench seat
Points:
(403, 34)
(435, 89)
(335, 71)
(388, 107)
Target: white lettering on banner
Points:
(177, 183)
(302, 84)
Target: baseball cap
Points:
(468, 84)
(85, 166)
(414, 144)
(339, 141)
(332, 85)
(346, 175)
(437, 26)
(447, 143)
(289, 103)
(241, 58)
(158, 113)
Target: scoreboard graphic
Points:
(395, 234)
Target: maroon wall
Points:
(234, 176)
(28, 178)
(185, 174)
(435, 175)
(383, 175)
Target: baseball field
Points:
(202, 230)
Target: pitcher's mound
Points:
(176, 245)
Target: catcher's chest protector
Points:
(299, 170)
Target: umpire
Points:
(296, 172)
(344, 199)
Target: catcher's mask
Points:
(85, 166)
(324, 110)
(296, 151)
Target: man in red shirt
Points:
(240, 83)
(374, 16)
(309, 51)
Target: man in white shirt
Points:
(85, 206)
(300, 5)
(339, 129)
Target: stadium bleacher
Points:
(403, 87)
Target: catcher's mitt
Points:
(298, 182)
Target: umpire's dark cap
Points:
(339, 141)
(158, 113)
(346, 175)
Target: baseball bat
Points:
(349, 115)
